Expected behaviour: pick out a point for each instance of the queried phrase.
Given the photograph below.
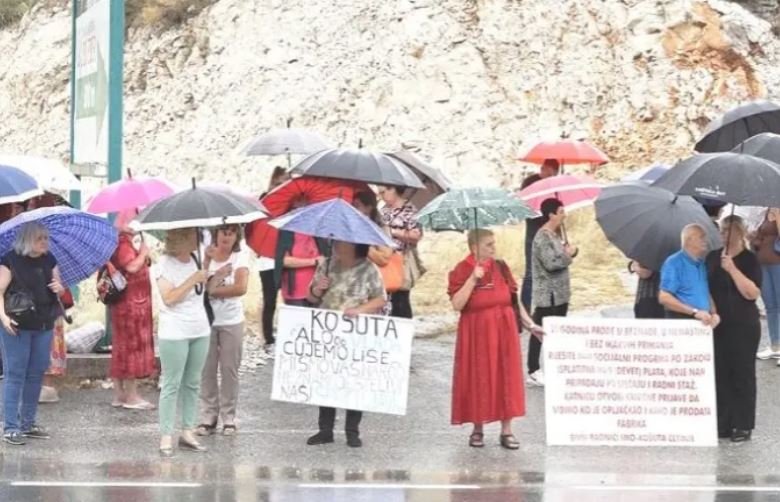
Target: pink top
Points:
(304, 246)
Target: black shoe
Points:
(14, 438)
(724, 434)
(36, 432)
(353, 440)
(740, 436)
(320, 438)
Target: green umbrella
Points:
(467, 208)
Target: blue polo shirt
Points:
(685, 278)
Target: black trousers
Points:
(649, 308)
(298, 303)
(269, 304)
(401, 304)
(534, 344)
(328, 420)
(735, 345)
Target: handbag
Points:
(111, 284)
(19, 302)
(413, 268)
(393, 272)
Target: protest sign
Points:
(629, 382)
(325, 358)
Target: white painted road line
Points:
(387, 486)
(666, 488)
(103, 484)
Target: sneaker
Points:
(48, 395)
(36, 432)
(14, 438)
(536, 379)
(767, 353)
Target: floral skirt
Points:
(59, 352)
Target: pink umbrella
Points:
(573, 191)
(129, 193)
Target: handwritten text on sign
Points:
(325, 358)
(629, 382)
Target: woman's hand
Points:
(727, 263)
(223, 272)
(9, 325)
(200, 277)
(321, 286)
(210, 251)
(536, 331)
(570, 250)
(478, 273)
(56, 287)
(353, 312)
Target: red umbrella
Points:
(573, 191)
(262, 237)
(566, 152)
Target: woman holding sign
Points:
(349, 282)
(488, 377)
(735, 284)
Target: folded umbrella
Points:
(647, 175)
(358, 165)
(468, 208)
(16, 185)
(81, 242)
(197, 207)
(50, 174)
(645, 222)
(336, 220)
(739, 124)
(129, 193)
(565, 151)
(435, 181)
(573, 191)
(740, 179)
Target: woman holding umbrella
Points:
(735, 284)
(183, 333)
(488, 376)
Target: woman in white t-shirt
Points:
(227, 332)
(183, 332)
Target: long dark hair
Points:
(368, 199)
(278, 172)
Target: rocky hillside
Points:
(471, 83)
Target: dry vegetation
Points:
(12, 11)
(162, 14)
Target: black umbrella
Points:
(739, 124)
(765, 145)
(198, 207)
(358, 165)
(645, 223)
(435, 181)
(740, 179)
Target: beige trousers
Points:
(219, 399)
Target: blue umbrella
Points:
(334, 219)
(648, 174)
(81, 242)
(16, 185)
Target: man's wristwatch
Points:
(694, 312)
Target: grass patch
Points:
(12, 11)
(163, 14)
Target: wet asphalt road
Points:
(103, 454)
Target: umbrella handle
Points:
(199, 287)
(68, 319)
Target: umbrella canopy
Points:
(358, 165)
(50, 174)
(197, 207)
(468, 208)
(81, 242)
(286, 141)
(765, 145)
(645, 222)
(573, 191)
(129, 193)
(334, 219)
(16, 185)
(435, 181)
(565, 151)
(740, 179)
(739, 124)
(647, 175)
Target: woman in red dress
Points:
(132, 354)
(488, 377)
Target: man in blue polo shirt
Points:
(684, 290)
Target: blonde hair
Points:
(177, 239)
(27, 235)
(735, 223)
(477, 234)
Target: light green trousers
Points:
(182, 365)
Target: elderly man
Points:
(684, 290)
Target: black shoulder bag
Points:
(19, 302)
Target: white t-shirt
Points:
(229, 311)
(186, 319)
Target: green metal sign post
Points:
(96, 87)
